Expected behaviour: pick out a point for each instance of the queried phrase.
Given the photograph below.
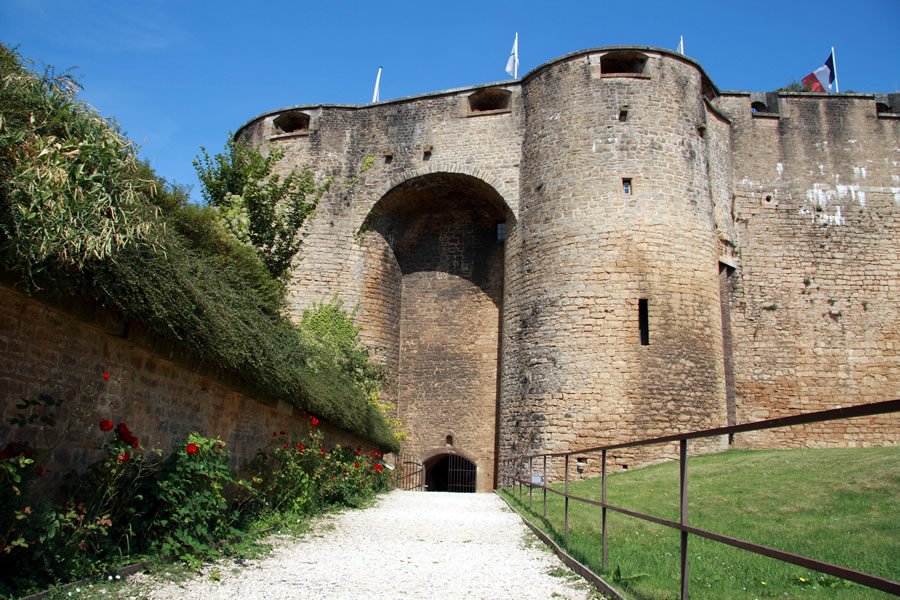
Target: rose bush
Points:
(131, 503)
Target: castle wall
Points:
(814, 306)
(45, 350)
(575, 371)
(764, 245)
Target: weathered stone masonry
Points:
(159, 393)
(759, 230)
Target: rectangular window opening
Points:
(501, 232)
(626, 186)
(644, 322)
(623, 115)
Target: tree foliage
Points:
(794, 86)
(256, 204)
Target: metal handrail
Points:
(862, 410)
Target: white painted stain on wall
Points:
(853, 192)
(780, 168)
(818, 195)
(835, 219)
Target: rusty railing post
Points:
(684, 518)
(519, 478)
(567, 502)
(530, 481)
(603, 510)
(545, 486)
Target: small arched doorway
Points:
(450, 473)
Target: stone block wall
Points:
(814, 310)
(764, 245)
(44, 349)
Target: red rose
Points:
(134, 442)
(285, 446)
(106, 425)
(300, 447)
(355, 465)
(357, 452)
(314, 422)
(105, 376)
(324, 452)
(191, 448)
(124, 457)
(378, 467)
(122, 430)
(371, 453)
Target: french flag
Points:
(821, 79)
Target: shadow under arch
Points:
(433, 294)
(450, 472)
(445, 221)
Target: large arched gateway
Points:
(434, 245)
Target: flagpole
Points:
(837, 88)
(377, 83)
(516, 60)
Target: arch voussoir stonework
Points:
(370, 200)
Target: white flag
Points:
(375, 96)
(681, 45)
(512, 65)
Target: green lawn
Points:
(836, 505)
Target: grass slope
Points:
(836, 505)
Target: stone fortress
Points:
(609, 248)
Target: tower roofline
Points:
(506, 83)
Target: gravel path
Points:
(409, 545)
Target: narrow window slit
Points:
(644, 322)
(626, 186)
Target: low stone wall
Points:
(158, 393)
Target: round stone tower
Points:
(612, 327)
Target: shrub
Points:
(281, 475)
(118, 492)
(126, 503)
(69, 186)
(194, 514)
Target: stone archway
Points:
(434, 264)
(450, 472)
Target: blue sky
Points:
(180, 74)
